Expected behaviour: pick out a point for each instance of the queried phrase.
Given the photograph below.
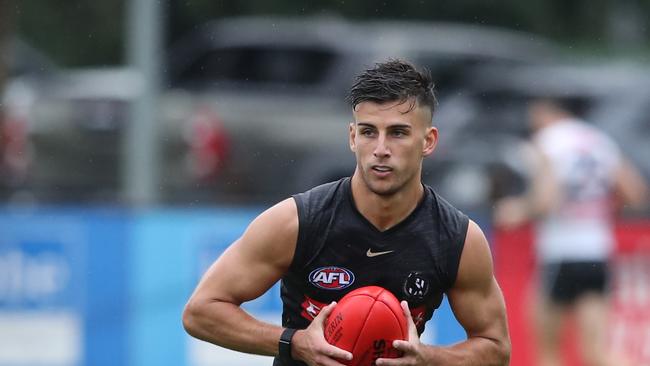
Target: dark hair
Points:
(573, 105)
(393, 80)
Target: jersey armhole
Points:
(456, 251)
(298, 255)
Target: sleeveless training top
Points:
(339, 250)
(583, 160)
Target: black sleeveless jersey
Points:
(339, 250)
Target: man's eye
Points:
(399, 133)
(367, 132)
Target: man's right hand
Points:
(309, 345)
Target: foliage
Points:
(73, 32)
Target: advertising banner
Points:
(61, 287)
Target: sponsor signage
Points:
(41, 292)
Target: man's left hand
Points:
(412, 349)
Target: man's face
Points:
(389, 142)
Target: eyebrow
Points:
(400, 125)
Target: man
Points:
(578, 173)
(379, 227)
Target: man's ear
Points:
(430, 141)
(352, 136)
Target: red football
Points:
(365, 322)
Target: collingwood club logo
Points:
(416, 286)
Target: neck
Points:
(385, 211)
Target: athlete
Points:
(381, 226)
(579, 173)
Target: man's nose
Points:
(381, 149)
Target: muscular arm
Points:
(478, 304)
(247, 269)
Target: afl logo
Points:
(331, 278)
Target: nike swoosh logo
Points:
(371, 254)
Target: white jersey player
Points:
(579, 178)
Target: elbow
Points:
(499, 352)
(504, 350)
(190, 317)
(204, 318)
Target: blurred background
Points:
(139, 137)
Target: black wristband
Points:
(284, 345)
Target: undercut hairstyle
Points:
(394, 80)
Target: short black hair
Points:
(393, 80)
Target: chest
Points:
(406, 262)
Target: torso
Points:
(583, 160)
(339, 250)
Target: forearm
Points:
(228, 325)
(474, 351)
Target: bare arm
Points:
(245, 271)
(544, 193)
(477, 303)
(630, 185)
(542, 196)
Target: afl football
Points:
(365, 322)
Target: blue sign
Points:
(62, 281)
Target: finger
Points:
(330, 350)
(403, 346)
(321, 318)
(335, 352)
(330, 362)
(412, 329)
(325, 312)
(391, 362)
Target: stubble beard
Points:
(392, 189)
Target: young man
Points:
(346, 234)
(577, 174)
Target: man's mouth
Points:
(382, 168)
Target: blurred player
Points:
(380, 227)
(579, 174)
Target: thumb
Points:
(412, 329)
(324, 313)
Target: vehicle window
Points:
(447, 73)
(451, 73)
(503, 112)
(288, 65)
(642, 122)
(628, 122)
